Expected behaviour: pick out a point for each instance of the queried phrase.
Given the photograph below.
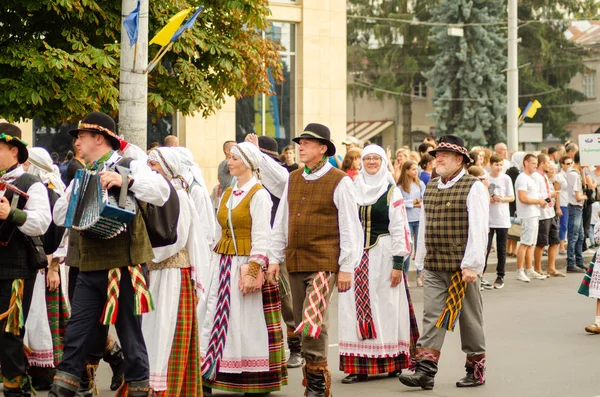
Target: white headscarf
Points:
(41, 166)
(190, 172)
(171, 163)
(370, 187)
(249, 154)
(517, 160)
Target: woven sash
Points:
(364, 316)
(142, 298)
(317, 304)
(14, 314)
(456, 294)
(218, 334)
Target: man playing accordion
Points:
(24, 211)
(111, 287)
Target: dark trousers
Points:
(83, 335)
(587, 221)
(12, 353)
(501, 237)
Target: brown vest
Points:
(313, 233)
(447, 224)
(242, 225)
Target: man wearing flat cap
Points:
(20, 216)
(111, 287)
(451, 247)
(317, 232)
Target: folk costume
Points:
(50, 310)
(375, 319)
(241, 338)
(318, 233)
(590, 285)
(175, 287)
(454, 237)
(274, 179)
(17, 278)
(111, 286)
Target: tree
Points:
(550, 61)
(469, 85)
(385, 57)
(59, 59)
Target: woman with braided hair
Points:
(241, 340)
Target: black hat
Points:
(452, 143)
(320, 133)
(10, 129)
(269, 146)
(99, 123)
(10, 140)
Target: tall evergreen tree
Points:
(470, 87)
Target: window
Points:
(273, 115)
(589, 84)
(420, 88)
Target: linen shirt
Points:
(273, 175)
(148, 186)
(351, 234)
(478, 208)
(37, 207)
(544, 187)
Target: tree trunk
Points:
(406, 102)
(133, 83)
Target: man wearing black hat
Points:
(318, 233)
(451, 247)
(275, 178)
(117, 259)
(16, 275)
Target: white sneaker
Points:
(532, 274)
(521, 276)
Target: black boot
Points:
(295, 344)
(87, 386)
(139, 389)
(317, 379)
(475, 376)
(355, 378)
(114, 357)
(17, 387)
(65, 385)
(423, 377)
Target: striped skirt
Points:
(276, 377)
(590, 285)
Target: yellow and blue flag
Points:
(533, 109)
(188, 24)
(163, 37)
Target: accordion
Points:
(18, 199)
(97, 212)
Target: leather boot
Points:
(65, 385)
(113, 356)
(139, 389)
(317, 379)
(87, 385)
(475, 376)
(295, 344)
(423, 377)
(17, 387)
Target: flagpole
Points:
(158, 57)
(135, 46)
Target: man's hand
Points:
(273, 273)
(559, 211)
(252, 138)
(52, 280)
(110, 179)
(542, 203)
(344, 281)
(469, 275)
(4, 208)
(396, 277)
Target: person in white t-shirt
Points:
(501, 193)
(560, 184)
(547, 231)
(529, 203)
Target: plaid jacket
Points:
(313, 234)
(446, 224)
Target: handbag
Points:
(515, 231)
(36, 256)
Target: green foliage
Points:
(59, 59)
(470, 67)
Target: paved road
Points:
(536, 347)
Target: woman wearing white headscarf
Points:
(176, 275)
(377, 327)
(199, 192)
(242, 339)
(49, 309)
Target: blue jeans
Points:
(564, 223)
(575, 236)
(414, 231)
